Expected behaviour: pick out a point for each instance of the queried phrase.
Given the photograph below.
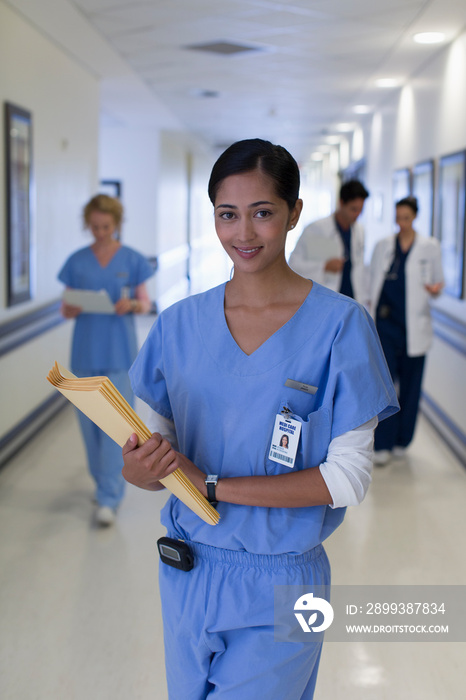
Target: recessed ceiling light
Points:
(388, 82)
(362, 109)
(344, 127)
(429, 37)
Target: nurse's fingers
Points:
(146, 448)
(130, 444)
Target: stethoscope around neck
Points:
(393, 268)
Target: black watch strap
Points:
(211, 482)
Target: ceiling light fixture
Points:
(429, 37)
(388, 82)
(333, 140)
(344, 127)
(203, 93)
(362, 109)
(224, 48)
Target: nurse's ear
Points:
(295, 213)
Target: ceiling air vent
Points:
(224, 48)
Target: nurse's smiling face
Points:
(252, 221)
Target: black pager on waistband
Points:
(175, 553)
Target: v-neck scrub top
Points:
(105, 341)
(224, 402)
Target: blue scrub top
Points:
(105, 342)
(224, 403)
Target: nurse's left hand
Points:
(434, 289)
(145, 465)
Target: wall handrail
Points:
(24, 328)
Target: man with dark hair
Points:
(330, 251)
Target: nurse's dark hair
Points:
(410, 202)
(256, 154)
(105, 205)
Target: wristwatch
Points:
(211, 482)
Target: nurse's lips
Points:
(247, 252)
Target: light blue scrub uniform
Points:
(105, 345)
(218, 618)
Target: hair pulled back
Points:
(410, 202)
(251, 154)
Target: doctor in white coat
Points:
(405, 273)
(330, 251)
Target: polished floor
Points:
(79, 607)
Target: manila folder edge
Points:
(96, 407)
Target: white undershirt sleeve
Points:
(159, 424)
(348, 468)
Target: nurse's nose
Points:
(246, 230)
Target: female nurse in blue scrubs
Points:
(105, 344)
(227, 373)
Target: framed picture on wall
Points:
(451, 219)
(112, 188)
(18, 152)
(423, 190)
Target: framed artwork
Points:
(423, 190)
(451, 219)
(18, 151)
(112, 188)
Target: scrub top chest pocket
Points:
(307, 443)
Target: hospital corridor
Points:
(273, 195)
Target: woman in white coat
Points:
(405, 272)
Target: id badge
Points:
(285, 440)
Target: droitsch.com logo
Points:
(312, 606)
(365, 613)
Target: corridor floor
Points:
(79, 606)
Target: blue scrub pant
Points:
(104, 456)
(406, 372)
(219, 626)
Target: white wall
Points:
(131, 156)
(164, 175)
(64, 101)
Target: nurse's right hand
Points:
(145, 465)
(70, 311)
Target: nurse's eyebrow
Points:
(253, 204)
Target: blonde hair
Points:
(106, 205)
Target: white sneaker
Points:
(105, 516)
(399, 452)
(381, 457)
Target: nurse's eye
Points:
(226, 215)
(263, 214)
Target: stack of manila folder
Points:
(101, 401)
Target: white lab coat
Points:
(423, 266)
(321, 241)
